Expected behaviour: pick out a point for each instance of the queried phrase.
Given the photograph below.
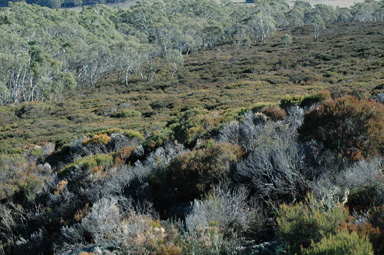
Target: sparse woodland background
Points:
(192, 127)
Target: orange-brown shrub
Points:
(122, 155)
(274, 112)
(351, 127)
(365, 229)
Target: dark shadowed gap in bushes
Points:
(193, 174)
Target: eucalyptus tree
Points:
(295, 16)
(127, 59)
(316, 20)
(286, 39)
(343, 15)
(326, 12)
(262, 23)
(213, 32)
(174, 60)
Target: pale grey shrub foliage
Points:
(365, 173)
(11, 218)
(101, 223)
(226, 208)
(380, 97)
(255, 131)
(276, 165)
(328, 193)
(112, 220)
(103, 219)
(156, 160)
(274, 171)
(295, 117)
(73, 234)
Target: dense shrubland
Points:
(258, 185)
(206, 162)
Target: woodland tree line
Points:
(47, 52)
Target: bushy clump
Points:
(276, 173)
(341, 243)
(228, 210)
(122, 155)
(157, 139)
(133, 133)
(85, 164)
(316, 98)
(97, 139)
(306, 222)
(274, 112)
(128, 132)
(351, 127)
(364, 180)
(126, 114)
(290, 101)
(255, 131)
(20, 179)
(274, 166)
(217, 223)
(126, 229)
(195, 172)
(360, 225)
(189, 125)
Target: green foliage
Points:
(127, 132)
(341, 243)
(351, 127)
(97, 139)
(132, 134)
(289, 101)
(319, 97)
(197, 171)
(157, 139)
(366, 230)
(194, 124)
(305, 222)
(85, 164)
(286, 39)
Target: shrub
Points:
(108, 131)
(126, 114)
(122, 155)
(114, 225)
(289, 101)
(351, 127)
(97, 139)
(195, 172)
(132, 134)
(157, 139)
(82, 165)
(274, 112)
(128, 133)
(319, 97)
(274, 171)
(306, 222)
(228, 209)
(341, 243)
(189, 125)
(363, 228)
(364, 180)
